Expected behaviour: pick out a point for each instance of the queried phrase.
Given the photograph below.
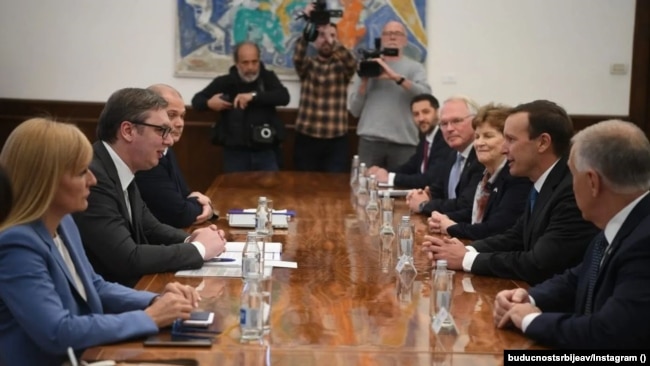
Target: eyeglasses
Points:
(453, 122)
(163, 131)
(392, 34)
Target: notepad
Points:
(247, 220)
(238, 246)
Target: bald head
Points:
(164, 89)
(175, 108)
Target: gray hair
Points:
(619, 151)
(470, 103)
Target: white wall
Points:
(498, 50)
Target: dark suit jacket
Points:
(408, 175)
(119, 249)
(620, 315)
(165, 192)
(505, 205)
(469, 179)
(548, 241)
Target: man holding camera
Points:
(321, 127)
(387, 138)
(246, 98)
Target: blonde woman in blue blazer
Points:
(50, 297)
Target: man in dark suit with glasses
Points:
(123, 240)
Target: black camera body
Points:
(263, 134)
(372, 69)
(320, 15)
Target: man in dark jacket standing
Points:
(246, 98)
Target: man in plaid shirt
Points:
(322, 125)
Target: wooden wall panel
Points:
(199, 160)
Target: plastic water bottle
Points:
(441, 290)
(261, 217)
(386, 233)
(251, 261)
(250, 311)
(405, 233)
(372, 207)
(354, 173)
(362, 191)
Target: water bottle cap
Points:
(262, 199)
(362, 164)
(406, 218)
(441, 263)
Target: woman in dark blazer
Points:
(500, 198)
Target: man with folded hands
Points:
(603, 302)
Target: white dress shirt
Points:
(71, 268)
(126, 176)
(470, 256)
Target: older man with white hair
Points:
(603, 302)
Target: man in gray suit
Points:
(122, 239)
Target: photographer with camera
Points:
(321, 127)
(387, 137)
(246, 98)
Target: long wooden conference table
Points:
(338, 307)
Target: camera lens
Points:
(265, 133)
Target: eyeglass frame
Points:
(393, 33)
(163, 131)
(454, 122)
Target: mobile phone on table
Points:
(199, 319)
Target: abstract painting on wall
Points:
(209, 29)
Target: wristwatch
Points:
(400, 81)
(421, 205)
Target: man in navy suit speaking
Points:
(163, 187)
(603, 302)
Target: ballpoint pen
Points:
(222, 260)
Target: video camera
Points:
(320, 15)
(369, 68)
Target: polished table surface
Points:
(338, 307)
